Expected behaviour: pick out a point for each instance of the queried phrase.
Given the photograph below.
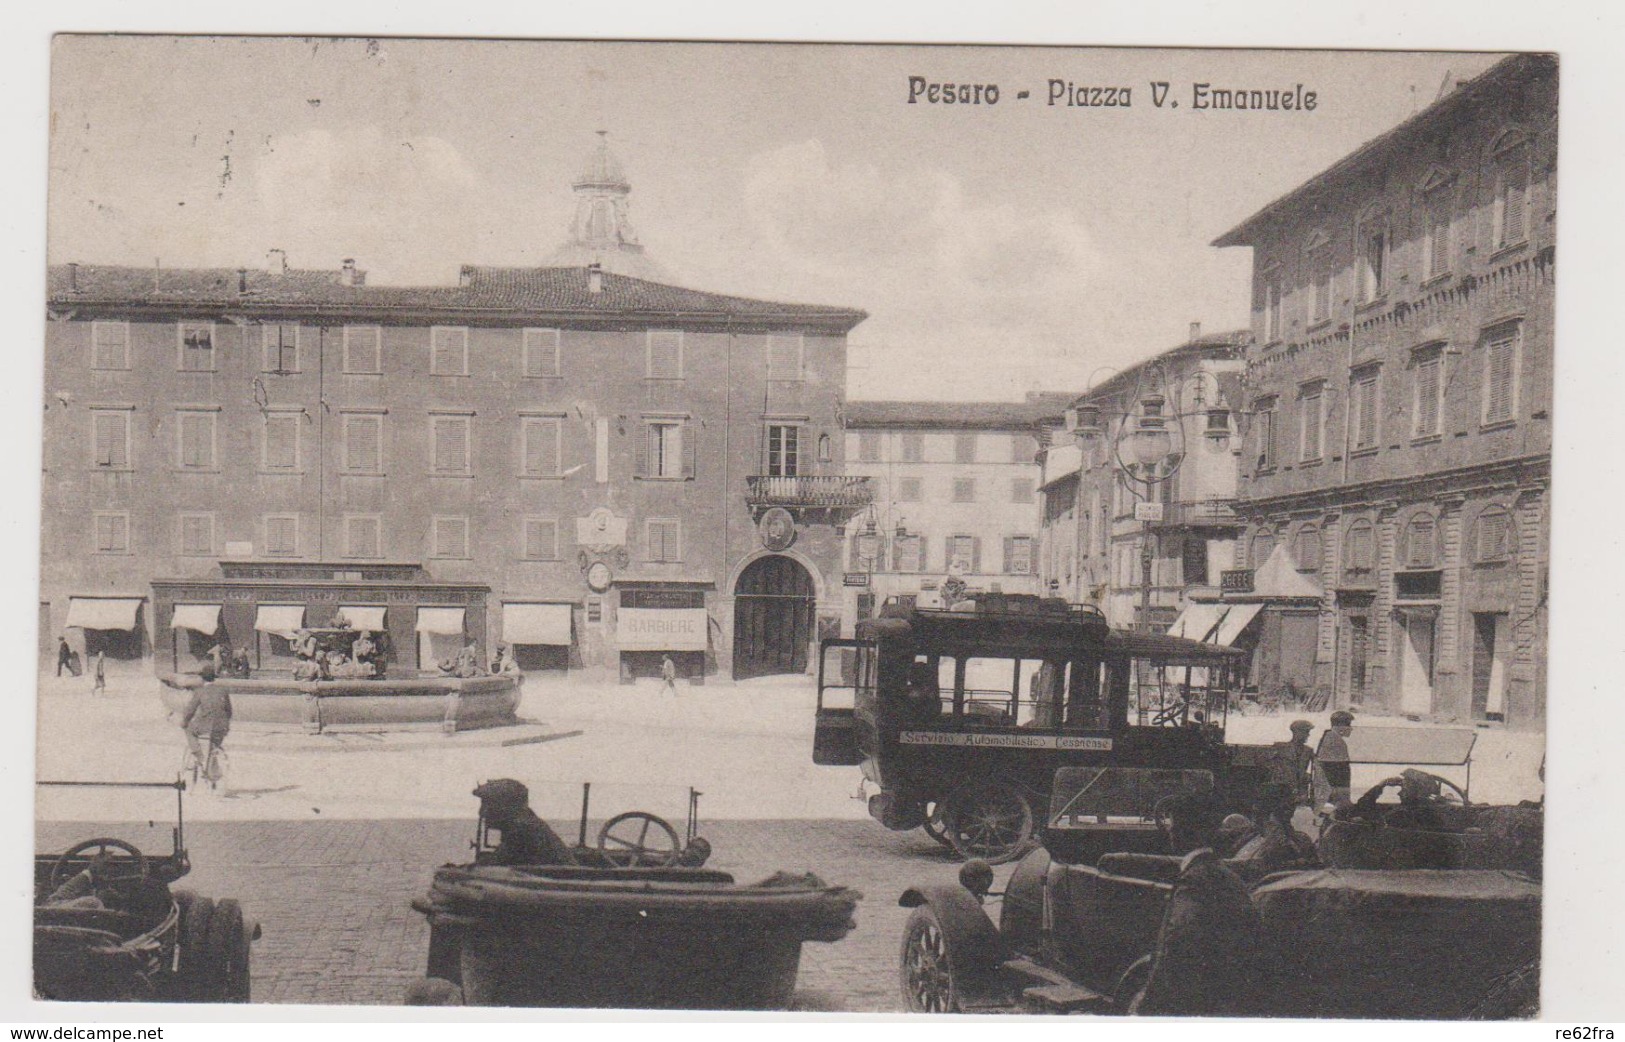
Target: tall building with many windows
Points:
(956, 494)
(632, 469)
(1395, 478)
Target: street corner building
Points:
(580, 460)
(1394, 476)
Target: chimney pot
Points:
(595, 278)
(276, 262)
(1196, 330)
(347, 272)
(242, 280)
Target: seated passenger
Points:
(526, 838)
(1276, 845)
(923, 702)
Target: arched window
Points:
(1371, 245)
(1307, 549)
(823, 448)
(1421, 546)
(1510, 155)
(1358, 545)
(1493, 536)
(1262, 545)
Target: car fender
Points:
(975, 947)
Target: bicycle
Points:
(211, 768)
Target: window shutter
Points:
(451, 444)
(690, 435)
(362, 443)
(645, 450)
(1513, 206)
(976, 554)
(1498, 407)
(1009, 554)
(110, 430)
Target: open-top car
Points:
(1420, 906)
(108, 927)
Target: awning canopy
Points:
(536, 624)
(200, 618)
(663, 629)
(447, 622)
(1198, 621)
(279, 618)
(366, 617)
(1235, 621)
(103, 613)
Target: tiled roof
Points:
(946, 415)
(547, 290)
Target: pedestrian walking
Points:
(1292, 762)
(1332, 758)
(668, 674)
(98, 667)
(64, 655)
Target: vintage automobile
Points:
(636, 923)
(961, 717)
(1426, 907)
(109, 928)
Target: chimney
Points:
(1196, 331)
(347, 272)
(595, 277)
(242, 280)
(73, 277)
(465, 276)
(276, 262)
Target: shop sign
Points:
(855, 579)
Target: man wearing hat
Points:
(1293, 761)
(526, 838)
(1333, 756)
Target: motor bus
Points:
(960, 718)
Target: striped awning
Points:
(368, 617)
(199, 618)
(279, 618)
(103, 613)
(536, 624)
(1236, 621)
(440, 621)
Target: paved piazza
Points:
(326, 839)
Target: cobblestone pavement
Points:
(333, 897)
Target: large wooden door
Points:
(773, 618)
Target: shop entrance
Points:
(774, 604)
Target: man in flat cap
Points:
(526, 838)
(1292, 762)
(1333, 757)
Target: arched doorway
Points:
(774, 600)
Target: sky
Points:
(998, 249)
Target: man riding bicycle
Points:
(207, 718)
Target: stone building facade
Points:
(597, 449)
(1398, 426)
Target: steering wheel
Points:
(118, 876)
(1174, 714)
(630, 834)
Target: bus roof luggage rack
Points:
(1009, 604)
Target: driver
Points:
(1419, 794)
(84, 888)
(526, 838)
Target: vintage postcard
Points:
(827, 528)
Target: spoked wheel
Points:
(648, 841)
(934, 826)
(992, 821)
(926, 972)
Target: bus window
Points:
(1086, 708)
(990, 690)
(845, 668)
(1030, 687)
(947, 668)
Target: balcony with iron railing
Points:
(1211, 511)
(809, 491)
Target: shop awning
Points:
(536, 624)
(1235, 621)
(200, 618)
(1198, 621)
(279, 618)
(446, 622)
(103, 613)
(366, 617)
(663, 629)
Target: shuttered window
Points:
(110, 345)
(1429, 370)
(965, 448)
(1018, 555)
(869, 447)
(196, 534)
(448, 537)
(451, 444)
(664, 539)
(964, 490)
(1438, 235)
(908, 490)
(110, 432)
(541, 539)
(1500, 374)
(1373, 263)
(665, 357)
(281, 451)
(1421, 548)
(1264, 419)
(666, 450)
(363, 443)
(1357, 548)
(1023, 448)
(197, 347)
(1263, 545)
(541, 352)
(448, 350)
(539, 441)
(282, 535)
(1308, 549)
(1272, 310)
(195, 434)
(1022, 490)
(908, 553)
(913, 444)
(1512, 197)
(112, 533)
(281, 343)
(963, 554)
(1320, 269)
(1311, 421)
(361, 536)
(1492, 536)
(363, 349)
(1364, 406)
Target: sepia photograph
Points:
(802, 527)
